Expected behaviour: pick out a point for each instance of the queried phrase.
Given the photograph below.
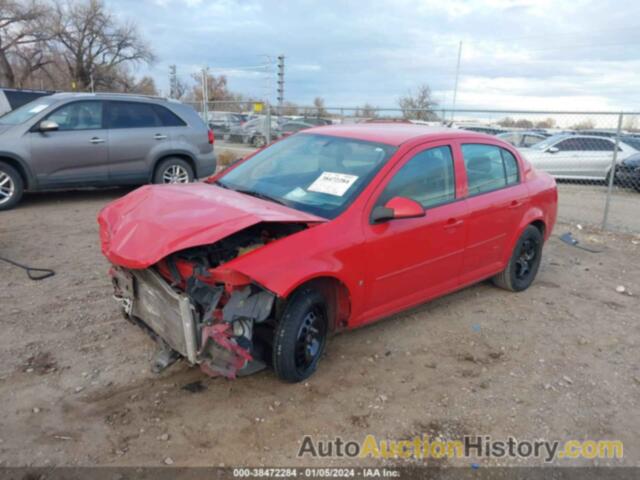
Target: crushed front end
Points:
(197, 308)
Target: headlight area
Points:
(214, 317)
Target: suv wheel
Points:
(173, 170)
(11, 186)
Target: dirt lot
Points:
(559, 361)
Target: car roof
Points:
(109, 96)
(391, 133)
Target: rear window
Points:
(132, 115)
(488, 168)
(167, 117)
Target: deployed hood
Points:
(154, 221)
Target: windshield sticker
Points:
(333, 183)
(38, 108)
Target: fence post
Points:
(612, 173)
(268, 125)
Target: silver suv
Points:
(71, 140)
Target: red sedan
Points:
(328, 229)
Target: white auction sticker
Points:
(333, 183)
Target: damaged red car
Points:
(329, 229)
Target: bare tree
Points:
(584, 125)
(93, 44)
(546, 123)
(318, 104)
(290, 108)
(418, 105)
(22, 40)
(367, 110)
(216, 88)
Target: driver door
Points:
(412, 260)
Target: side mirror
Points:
(48, 126)
(553, 150)
(396, 208)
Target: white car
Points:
(576, 157)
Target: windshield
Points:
(547, 142)
(27, 111)
(317, 174)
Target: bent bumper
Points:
(206, 164)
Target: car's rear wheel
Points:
(300, 336)
(173, 170)
(258, 141)
(523, 265)
(11, 186)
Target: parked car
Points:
(289, 128)
(576, 157)
(12, 98)
(329, 229)
(628, 172)
(221, 123)
(81, 140)
(482, 129)
(253, 132)
(522, 139)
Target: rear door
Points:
(496, 200)
(136, 134)
(75, 154)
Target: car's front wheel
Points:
(300, 336)
(524, 262)
(11, 186)
(173, 170)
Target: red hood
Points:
(154, 221)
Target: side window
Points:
(167, 117)
(570, 145)
(78, 116)
(510, 167)
(488, 168)
(600, 144)
(427, 178)
(132, 115)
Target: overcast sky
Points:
(519, 54)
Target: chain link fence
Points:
(595, 156)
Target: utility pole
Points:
(173, 82)
(455, 86)
(205, 94)
(280, 84)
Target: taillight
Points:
(211, 136)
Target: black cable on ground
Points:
(46, 272)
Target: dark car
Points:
(72, 140)
(628, 172)
(12, 98)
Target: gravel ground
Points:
(559, 361)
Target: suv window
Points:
(167, 117)
(78, 116)
(427, 178)
(489, 168)
(132, 115)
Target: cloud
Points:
(576, 54)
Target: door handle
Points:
(95, 140)
(453, 222)
(515, 204)
(159, 136)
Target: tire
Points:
(300, 336)
(258, 141)
(173, 170)
(523, 265)
(11, 186)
